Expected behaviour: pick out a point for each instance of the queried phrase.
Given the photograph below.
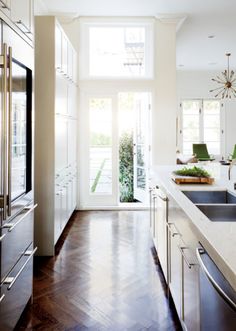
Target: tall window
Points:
(202, 122)
(118, 50)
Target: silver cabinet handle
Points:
(162, 198)
(200, 251)
(11, 280)
(3, 61)
(189, 264)
(2, 297)
(171, 231)
(11, 226)
(9, 127)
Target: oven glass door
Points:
(20, 144)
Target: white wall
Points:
(197, 84)
(165, 107)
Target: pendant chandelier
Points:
(227, 81)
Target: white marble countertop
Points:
(218, 238)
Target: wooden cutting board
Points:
(192, 180)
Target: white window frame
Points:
(201, 124)
(86, 23)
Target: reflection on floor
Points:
(103, 277)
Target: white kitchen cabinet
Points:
(56, 128)
(183, 266)
(22, 15)
(174, 263)
(58, 47)
(62, 145)
(161, 229)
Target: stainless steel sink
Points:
(211, 197)
(219, 212)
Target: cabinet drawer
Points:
(18, 236)
(16, 291)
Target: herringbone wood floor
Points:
(105, 276)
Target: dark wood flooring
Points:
(105, 276)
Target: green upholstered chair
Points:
(201, 152)
(234, 153)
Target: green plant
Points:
(193, 172)
(126, 167)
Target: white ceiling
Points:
(195, 51)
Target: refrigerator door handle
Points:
(220, 291)
(9, 127)
(3, 198)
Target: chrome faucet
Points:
(233, 162)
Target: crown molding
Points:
(177, 19)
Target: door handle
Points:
(3, 61)
(10, 281)
(9, 127)
(11, 226)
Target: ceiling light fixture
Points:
(227, 80)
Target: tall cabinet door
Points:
(21, 14)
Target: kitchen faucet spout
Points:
(233, 162)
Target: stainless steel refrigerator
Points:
(16, 185)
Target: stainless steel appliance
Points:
(217, 297)
(16, 184)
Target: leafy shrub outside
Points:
(126, 176)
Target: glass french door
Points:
(102, 146)
(141, 145)
(107, 116)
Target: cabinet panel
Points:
(64, 55)
(21, 14)
(174, 267)
(190, 291)
(74, 76)
(57, 215)
(61, 143)
(161, 230)
(58, 48)
(17, 296)
(61, 104)
(72, 141)
(72, 100)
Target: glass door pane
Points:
(212, 128)
(100, 150)
(19, 111)
(190, 124)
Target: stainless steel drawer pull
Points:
(2, 297)
(162, 198)
(11, 226)
(171, 231)
(11, 280)
(200, 251)
(189, 264)
(1, 238)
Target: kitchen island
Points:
(186, 239)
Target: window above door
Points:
(117, 50)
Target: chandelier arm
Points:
(218, 81)
(231, 75)
(218, 88)
(221, 79)
(219, 92)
